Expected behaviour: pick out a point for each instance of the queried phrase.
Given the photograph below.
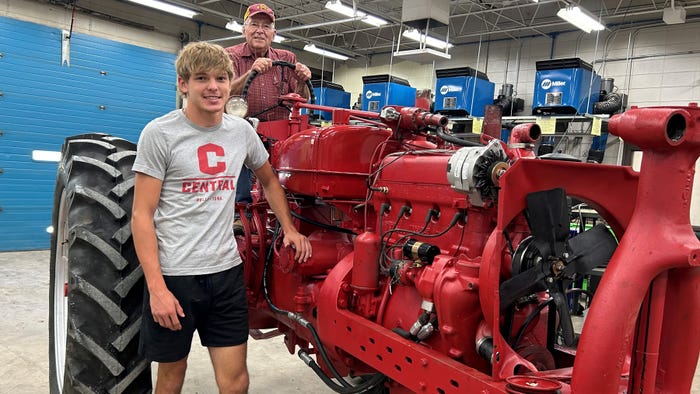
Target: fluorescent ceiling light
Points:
(580, 18)
(415, 35)
(173, 9)
(337, 6)
(237, 27)
(312, 48)
(234, 26)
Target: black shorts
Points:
(215, 305)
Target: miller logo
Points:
(371, 94)
(444, 89)
(547, 83)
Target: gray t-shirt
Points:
(199, 168)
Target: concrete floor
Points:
(24, 295)
(24, 360)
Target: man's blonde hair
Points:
(198, 57)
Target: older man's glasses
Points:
(263, 26)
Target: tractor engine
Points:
(440, 265)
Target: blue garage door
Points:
(109, 87)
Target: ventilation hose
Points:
(611, 103)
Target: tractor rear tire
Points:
(96, 281)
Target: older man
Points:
(257, 54)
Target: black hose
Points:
(528, 320)
(323, 225)
(291, 315)
(611, 103)
(324, 355)
(505, 103)
(369, 384)
(454, 140)
(266, 270)
(401, 332)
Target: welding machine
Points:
(565, 86)
(462, 91)
(329, 94)
(381, 90)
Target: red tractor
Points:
(439, 265)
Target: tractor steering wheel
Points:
(241, 100)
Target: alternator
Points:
(476, 171)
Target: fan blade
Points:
(522, 284)
(548, 218)
(565, 324)
(590, 249)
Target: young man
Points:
(257, 54)
(186, 167)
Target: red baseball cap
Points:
(259, 9)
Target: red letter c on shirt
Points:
(206, 155)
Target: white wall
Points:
(657, 65)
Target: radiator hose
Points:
(454, 140)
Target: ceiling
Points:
(308, 21)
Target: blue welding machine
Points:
(462, 91)
(381, 90)
(330, 94)
(565, 86)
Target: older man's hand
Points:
(302, 72)
(262, 65)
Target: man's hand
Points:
(300, 243)
(166, 309)
(302, 72)
(262, 65)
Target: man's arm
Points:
(302, 74)
(164, 306)
(278, 202)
